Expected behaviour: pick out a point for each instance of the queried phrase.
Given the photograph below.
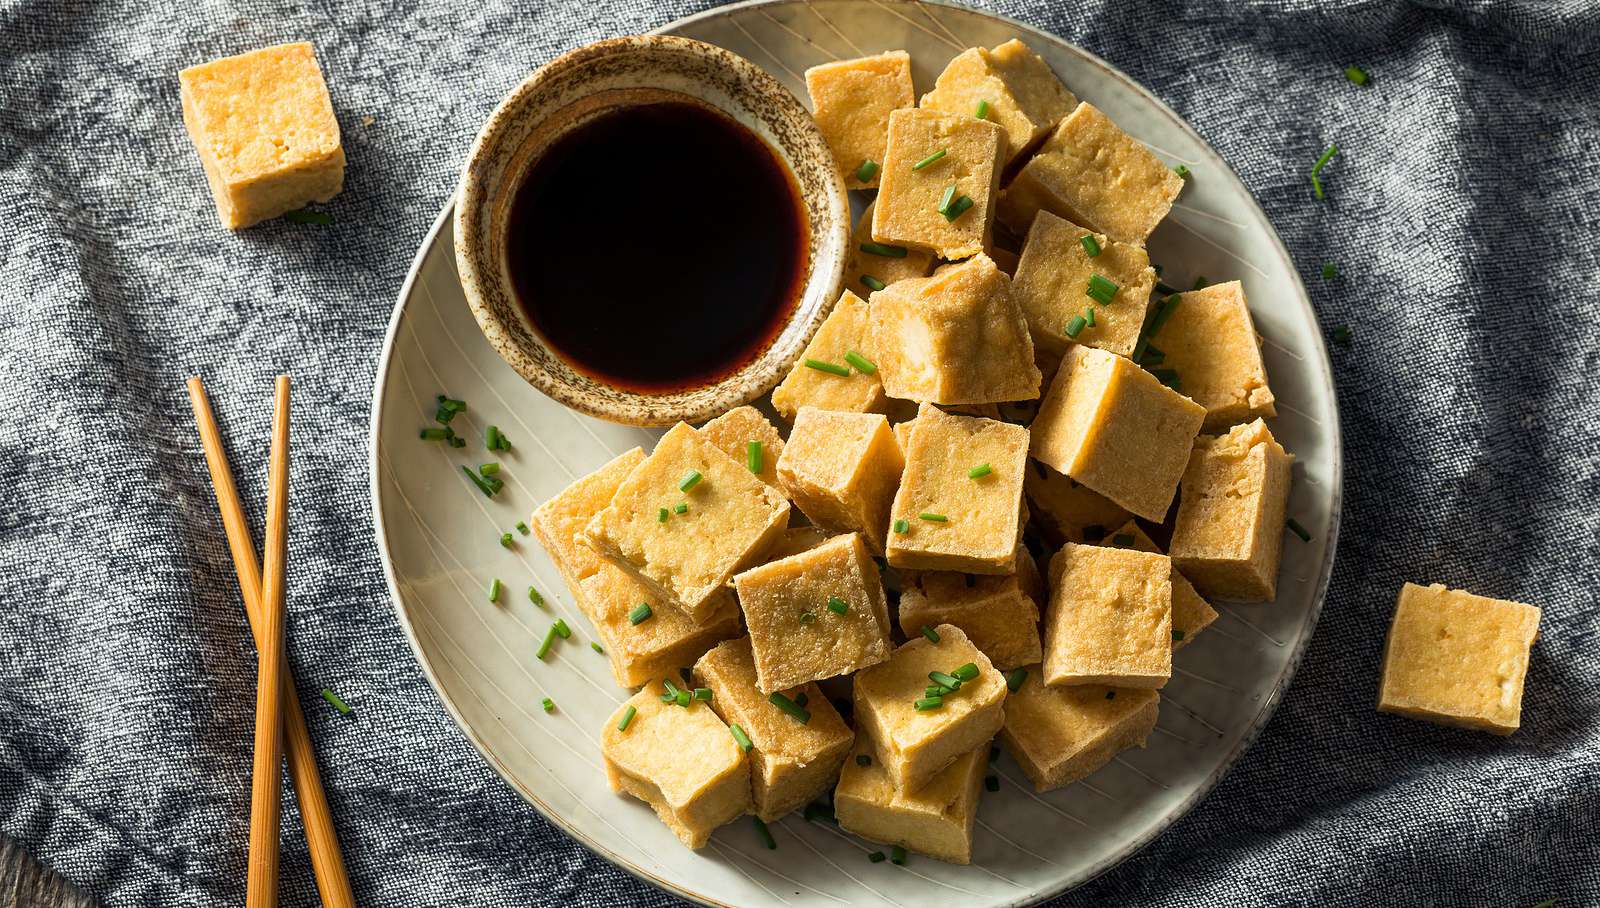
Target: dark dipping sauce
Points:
(658, 247)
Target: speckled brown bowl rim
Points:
(544, 106)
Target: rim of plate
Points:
(1135, 843)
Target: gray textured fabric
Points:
(1461, 214)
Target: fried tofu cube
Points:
(1191, 613)
(842, 470)
(947, 519)
(1092, 173)
(1052, 286)
(907, 211)
(1109, 620)
(606, 594)
(872, 264)
(683, 762)
(1065, 510)
(1457, 659)
(263, 125)
(915, 745)
(851, 101)
(1016, 87)
(1228, 535)
(1059, 735)
(935, 820)
(954, 338)
(997, 613)
(1113, 427)
(732, 519)
(846, 329)
(791, 762)
(815, 615)
(1209, 340)
(734, 431)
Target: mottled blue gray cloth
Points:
(1461, 217)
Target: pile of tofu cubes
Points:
(857, 597)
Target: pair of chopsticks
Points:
(280, 724)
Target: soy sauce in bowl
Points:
(658, 247)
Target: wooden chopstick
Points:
(261, 886)
(327, 861)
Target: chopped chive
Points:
(1341, 334)
(689, 480)
(1122, 539)
(434, 434)
(837, 606)
(491, 437)
(597, 647)
(562, 629)
(752, 456)
(544, 646)
(1152, 356)
(1177, 635)
(936, 690)
(702, 693)
(671, 689)
(877, 857)
(535, 598)
(1014, 679)
(661, 515)
(740, 738)
(1088, 317)
(640, 614)
(1199, 283)
(1094, 532)
(1090, 244)
(1111, 695)
(484, 486)
(944, 200)
(945, 680)
(1182, 170)
(789, 706)
(488, 469)
(863, 365)
(505, 540)
(1329, 271)
(1168, 306)
(1316, 184)
(681, 507)
(991, 783)
(1298, 530)
(825, 366)
(549, 705)
(336, 702)
(982, 112)
(494, 589)
(979, 471)
(1101, 289)
(927, 703)
(1357, 75)
(893, 252)
(872, 283)
(627, 716)
(1168, 377)
(808, 618)
(863, 760)
(957, 208)
(897, 855)
(966, 672)
(451, 404)
(902, 526)
(682, 697)
(933, 518)
(1076, 326)
(457, 441)
(522, 527)
(307, 216)
(928, 160)
(867, 170)
(930, 633)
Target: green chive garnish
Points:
(897, 855)
(739, 737)
(535, 598)
(944, 200)
(933, 518)
(808, 618)
(627, 716)
(979, 471)
(452, 404)
(1168, 377)
(671, 695)
(957, 208)
(505, 540)
(830, 368)
(597, 648)
(549, 641)
(1162, 314)
(307, 216)
(491, 437)
(488, 469)
(1014, 679)
(863, 365)
(944, 680)
(337, 703)
(549, 705)
(893, 252)
(1076, 326)
(681, 507)
(1152, 356)
(1101, 289)
(928, 160)
(434, 434)
(991, 783)
(661, 515)
(522, 527)
(837, 606)
(982, 112)
(789, 706)
(1088, 317)
(863, 760)
(640, 614)
(562, 629)
(682, 698)
(1182, 170)
(1316, 184)
(872, 283)
(927, 703)
(689, 480)
(1341, 334)
(702, 693)
(494, 589)
(1298, 530)
(1090, 244)
(765, 833)
(1199, 283)
(484, 485)
(902, 526)
(457, 441)
(877, 857)
(1357, 75)
(1177, 635)
(867, 170)
(1122, 539)
(936, 690)
(1329, 271)
(966, 672)
(752, 456)
(930, 633)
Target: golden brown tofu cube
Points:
(997, 613)
(264, 128)
(1113, 427)
(791, 762)
(1059, 735)
(1228, 536)
(734, 431)
(1065, 510)
(842, 470)
(873, 265)
(1053, 280)
(1191, 613)
(915, 745)
(1092, 173)
(1209, 340)
(606, 594)
(912, 187)
(851, 101)
(935, 820)
(1457, 659)
(959, 507)
(845, 330)
(682, 761)
(954, 338)
(815, 615)
(732, 519)
(1016, 87)
(1110, 618)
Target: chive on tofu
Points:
(1092, 173)
(263, 125)
(842, 470)
(732, 520)
(846, 329)
(1209, 339)
(1191, 613)
(1228, 535)
(873, 266)
(851, 101)
(1052, 281)
(1457, 659)
(791, 762)
(1011, 85)
(1059, 735)
(682, 761)
(1109, 620)
(934, 820)
(1113, 427)
(1064, 510)
(999, 614)
(933, 161)
(733, 432)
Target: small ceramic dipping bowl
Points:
(579, 85)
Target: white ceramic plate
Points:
(438, 535)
